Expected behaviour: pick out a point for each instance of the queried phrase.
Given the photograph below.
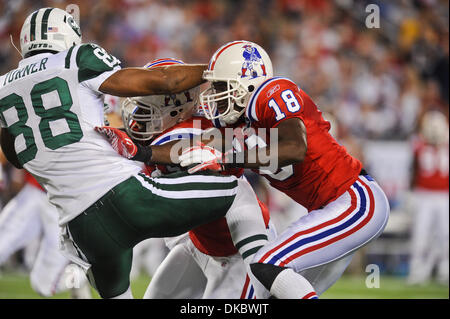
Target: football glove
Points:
(123, 144)
(206, 158)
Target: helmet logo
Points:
(74, 26)
(39, 46)
(252, 59)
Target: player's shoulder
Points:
(90, 52)
(276, 84)
(269, 89)
(91, 60)
(86, 48)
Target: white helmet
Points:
(434, 127)
(49, 29)
(145, 116)
(243, 66)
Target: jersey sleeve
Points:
(95, 65)
(278, 101)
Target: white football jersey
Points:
(51, 104)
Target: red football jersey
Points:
(432, 166)
(213, 238)
(327, 170)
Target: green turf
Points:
(17, 286)
(354, 287)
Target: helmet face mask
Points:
(141, 121)
(242, 66)
(145, 116)
(49, 29)
(227, 102)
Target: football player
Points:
(429, 234)
(22, 221)
(203, 263)
(346, 207)
(49, 108)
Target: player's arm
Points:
(168, 153)
(165, 154)
(291, 147)
(7, 145)
(101, 72)
(282, 112)
(159, 80)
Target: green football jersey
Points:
(51, 104)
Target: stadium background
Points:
(373, 85)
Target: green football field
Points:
(17, 286)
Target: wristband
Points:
(143, 154)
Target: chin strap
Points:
(12, 42)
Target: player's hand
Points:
(206, 158)
(119, 141)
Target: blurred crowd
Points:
(375, 82)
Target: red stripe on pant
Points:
(244, 290)
(370, 203)
(310, 295)
(313, 229)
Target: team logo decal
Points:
(252, 60)
(74, 26)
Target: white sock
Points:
(246, 223)
(290, 285)
(126, 295)
(247, 229)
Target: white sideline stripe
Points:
(194, 179)
(187, 194)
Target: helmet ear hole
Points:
(251, 88)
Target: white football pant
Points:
(429, 237)
(320, 244)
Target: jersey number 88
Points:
(47, 115)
